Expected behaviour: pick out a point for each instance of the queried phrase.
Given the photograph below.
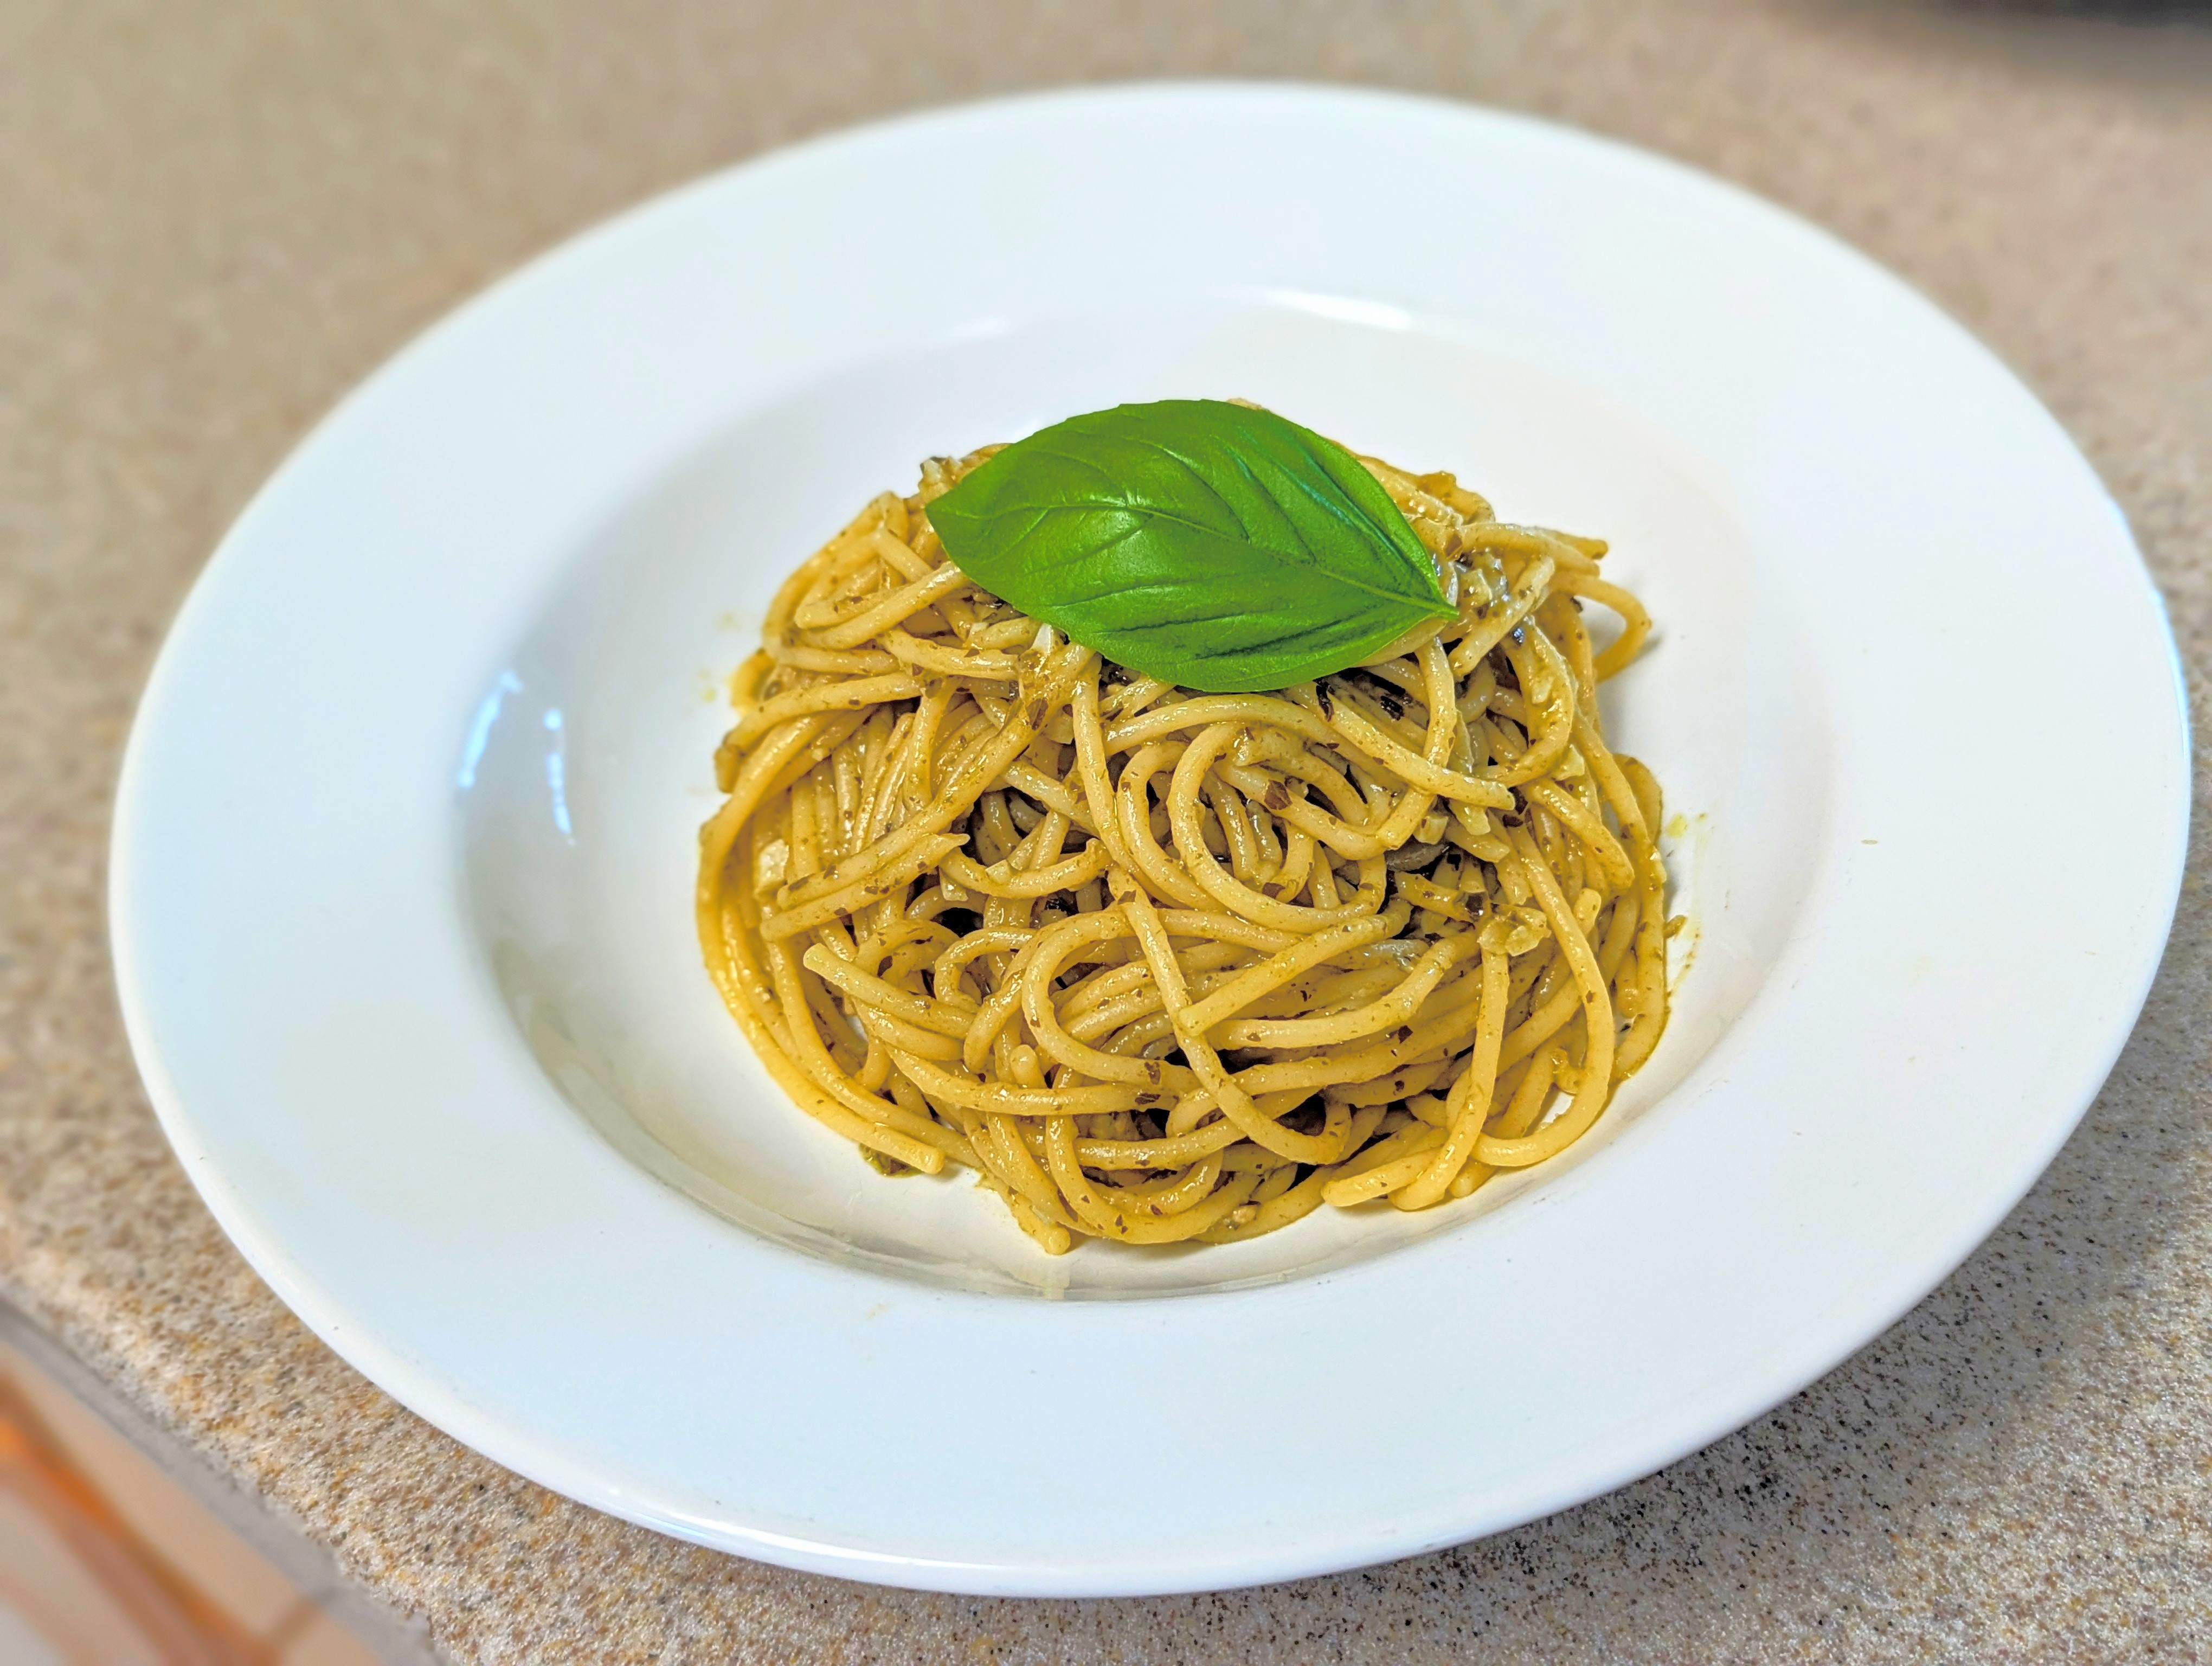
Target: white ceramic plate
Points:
(406, 835)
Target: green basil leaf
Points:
(1206, 543)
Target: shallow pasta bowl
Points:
(405, 840)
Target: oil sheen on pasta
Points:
(1161, 966)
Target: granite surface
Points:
(217, 217)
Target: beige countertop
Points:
(218, 217)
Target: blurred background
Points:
(219, 216)
(116, 1553)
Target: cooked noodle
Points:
(1164, 966)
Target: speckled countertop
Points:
(218, 217)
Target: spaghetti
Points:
(1162, 966)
